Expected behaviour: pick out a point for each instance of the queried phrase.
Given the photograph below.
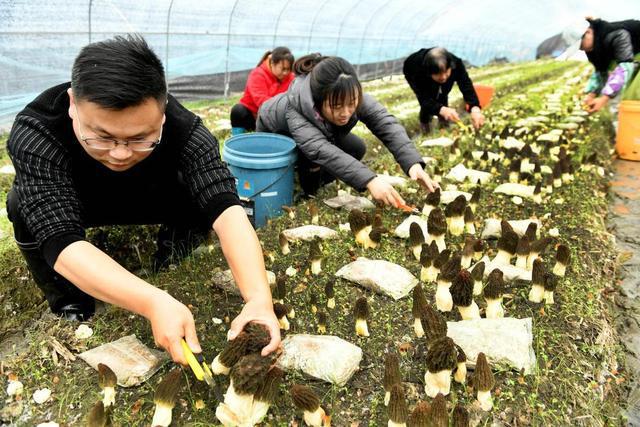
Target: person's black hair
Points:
(279, 54)
(118, 73)
(437, 60)
(332, 79)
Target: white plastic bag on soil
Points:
(380, 276)
(309, 232)
(325, 357)
(349, 202)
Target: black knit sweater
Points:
(56, 180)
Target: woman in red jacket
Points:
(271, 77)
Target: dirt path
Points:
(625, 223)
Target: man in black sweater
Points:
(431, 74)
(113, 147)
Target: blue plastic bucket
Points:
(263, 164)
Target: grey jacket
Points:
(292, 114)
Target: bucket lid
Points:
(259, 150)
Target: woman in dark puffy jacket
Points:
(319, 110)
(271, 77)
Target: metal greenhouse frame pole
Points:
(342, 24)
(275, 32)
(364, 32)
(400, 39)
(313, 23)
(166, 52)
(226, 61)
(90, 5)
(384, 32)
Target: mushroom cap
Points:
(314, 250)
(329, 288)
(439, 413)
(451, 268)
(495, 285)
(462, 289)
(462, 356)
(433, 323)
(563, 255)
(478, 271)
(421, 415)
(540, 245)
(538, 188)
(468, 215)
(433, 198)
(475, 196)
(377, 221)
(322, 318)
(268, 390)
(304, 398)
(313, 209)
(550, 282)
(281, 286)
(508, 242)
(460, 416)
(361, 309)
(557, 170)
(532, 229)
(523, 248)
(250, 371)
(419, 300)
(391, 370)
(376, 235)
(416, 237)
(280, 310)
(426, 257)
(482, 375)
(282, 239)
(442, 354)
(167, 391)
(97, 416)
(505, 226)
(398, 411)
(437, 222)
(106, 377)
(442, 259)
(538, 272)
(479, 245)
(469, 243)
(457, 207)
(357, 220)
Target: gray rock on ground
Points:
(326, 357)
(506, 342)
(380, 276)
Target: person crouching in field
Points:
(271, 77)
(319, 110)
(431, 74)
(113, 147)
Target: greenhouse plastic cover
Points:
(40, 39)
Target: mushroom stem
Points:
(460, 376)
(548, 297)
(532, 257)
(417, 327)
(217, 368)
(315, 418)
(284, 323)
(438, 382)
(494, 308)
(162, 416)
(331, 303)
(536, 294)
(559, 269)
(429, 274)
(361, 328)
(470, 312)
(521, 261)
(109, 397)
(239, 404)
(444, 301)
(465, 262)
(477, 287)
(316, 266)
(470, 228)
(485, 400)
(456, 225)
(394, 424)
(502, 258)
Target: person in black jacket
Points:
(319, 110)
(113, 147)
(431, 74)
(610, 47)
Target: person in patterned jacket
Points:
(610, 47)
(113, 147)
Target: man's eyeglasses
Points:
(100, 143)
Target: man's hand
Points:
(449, 114)
(416, 173)
(258, 312)
(384, 192)
(170, 322)
(597, 103)
(477, 118)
